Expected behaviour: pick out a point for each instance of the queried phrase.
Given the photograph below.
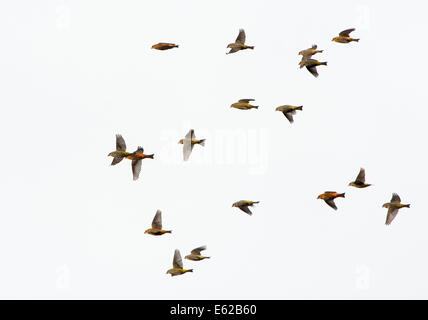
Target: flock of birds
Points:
(243, 104)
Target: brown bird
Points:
(164, 46)
(329, 197)
(289, 111)
(156, 229)
(177, 265)
(239, 43)
(244, 104)
(120, 152)
(307, 54)
(311, 65)
(360, 181)
(344, 37)
(137, 156)
(393, 206)
(244, 204)
(195, 254)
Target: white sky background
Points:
(75, 73)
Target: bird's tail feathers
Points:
(256, 107)
(299, 108)
(168, 231)
(202, 142)
(250, 47)
(342, 195)
(189, 270)
(407, 206)
(151, 156)
(356, 40)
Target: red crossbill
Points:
(239, 43)
(156, 229)
(195, 254)
(244, 104)
(329, 197)
(344, 37)
(244, 204)
(177, 265)
(360, 181)
(188, 142)
(393, 206)
(164, 46)
(136, 157)
(289, 111)
(120, 152)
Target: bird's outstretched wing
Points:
(361, 176)
(289, 115)
(241, 37)
(245, 100)
(198, 250)
(136, 168)
(177, 262)
(157, 220)
(345, 33)
(395, 198)
(188, 145)
(120, 143)
(245, 209)
(392, 213)
(116, 160)
(331, 203)
(313, 70)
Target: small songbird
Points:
(289, 111)
(244, 104)
(156, 229)
(164, 46)
(239, 43)
(177, 265)
(329, 197)
(360, 181)
(120, 152)
(195, 254)
(393, 206)
(344, 37)
(188, 142)
(244, 204)
(137, 156)
(311, 65)
(308, 53)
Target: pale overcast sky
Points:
(75, 73)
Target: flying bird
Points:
(307, 53)
(164, 46)
(188, 142)
(137, 156)
(360, 181)
(239, 43)
(195, 254)
(156, 229)
(244, 104)
(329, 197)
(120, 152)
(311, 65)
(344, 37)
(244, 204)
(289, 111)
(177, 265)
(393, 206)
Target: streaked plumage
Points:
(289, 111)
(329, 197)
(344, 37)
(188, 142)
(156, 229)
(239, 43)
(137, 156)
(195, 254)
(244, 204)
(393, 206)
(360, 181)
(177, 265)
(164, 46)
(244, 104)
(120, 152)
